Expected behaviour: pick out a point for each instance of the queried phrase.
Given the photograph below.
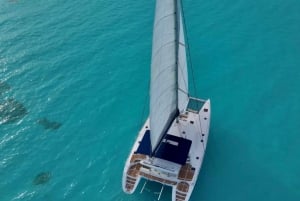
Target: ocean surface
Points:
(74, 82)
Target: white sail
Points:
(163, 86)
(182, 65)
(167, 93)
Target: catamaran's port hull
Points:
(192, 124)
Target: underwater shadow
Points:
(41, 178)
(4, 87)
(11, 111)
(49, 125)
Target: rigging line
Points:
(177, 21)
(144, 186)
(162, 188)
(184, 80)
(179, 89)
(188, 49)
(144, 107)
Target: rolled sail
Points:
(182, 65)
(167, 93)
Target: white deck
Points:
(192, 125)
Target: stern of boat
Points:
(131, 174)
(190, 132)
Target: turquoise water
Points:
(84, 65)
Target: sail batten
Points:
(168, 68)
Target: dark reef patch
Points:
(4, 87)
(11, 111)
(41, 178)
(49, 125)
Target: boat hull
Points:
(191, 125)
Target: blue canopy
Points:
(145, 144)
(174, 149)
(171, 148)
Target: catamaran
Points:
(170, 146)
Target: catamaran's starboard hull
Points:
(191, 125)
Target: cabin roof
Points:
(171, 148)
(174, 149)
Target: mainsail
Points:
(169, 87)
